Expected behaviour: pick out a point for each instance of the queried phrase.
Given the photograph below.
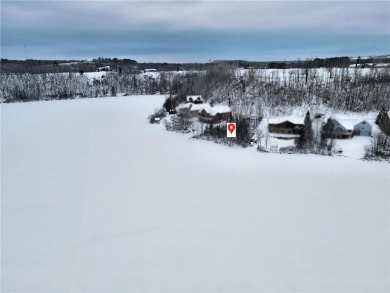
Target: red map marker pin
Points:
(231, 127)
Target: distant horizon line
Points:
(199, 62)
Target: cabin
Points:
(334, 129)
(220, 113)
(195, 99)
(205, 117)
(285, 127)
(363, 128)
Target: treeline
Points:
(246, 92)
(338, 88)
(109, 60)
(279, 91)
(130, 65)
(35, 87)
(45, 66)
(341, 62)
(117, 64)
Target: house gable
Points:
(362, 128)
(333, 129)
(364, 125)
(337, 125)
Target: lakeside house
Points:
(204, 112)
(189, 110)
(334, 129)
(285, 126)
(220, 113)
(363, 128)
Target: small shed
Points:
(363, 128)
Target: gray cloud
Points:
(367, 16)
(151, 24)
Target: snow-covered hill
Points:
(95, 199)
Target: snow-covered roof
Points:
(220, 109)
(206, 107)
(364, 122)
(349, 122)
(292, 119)
(194, 107)
(200, 107)
(184, 106)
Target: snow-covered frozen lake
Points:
(95, 199)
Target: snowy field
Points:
(95, 199)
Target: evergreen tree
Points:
(300, 142)
(383, 121)
(308, 132)
(243, 131)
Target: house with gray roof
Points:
(334, 129)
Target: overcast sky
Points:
(194, 31)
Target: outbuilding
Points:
(363, 128)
